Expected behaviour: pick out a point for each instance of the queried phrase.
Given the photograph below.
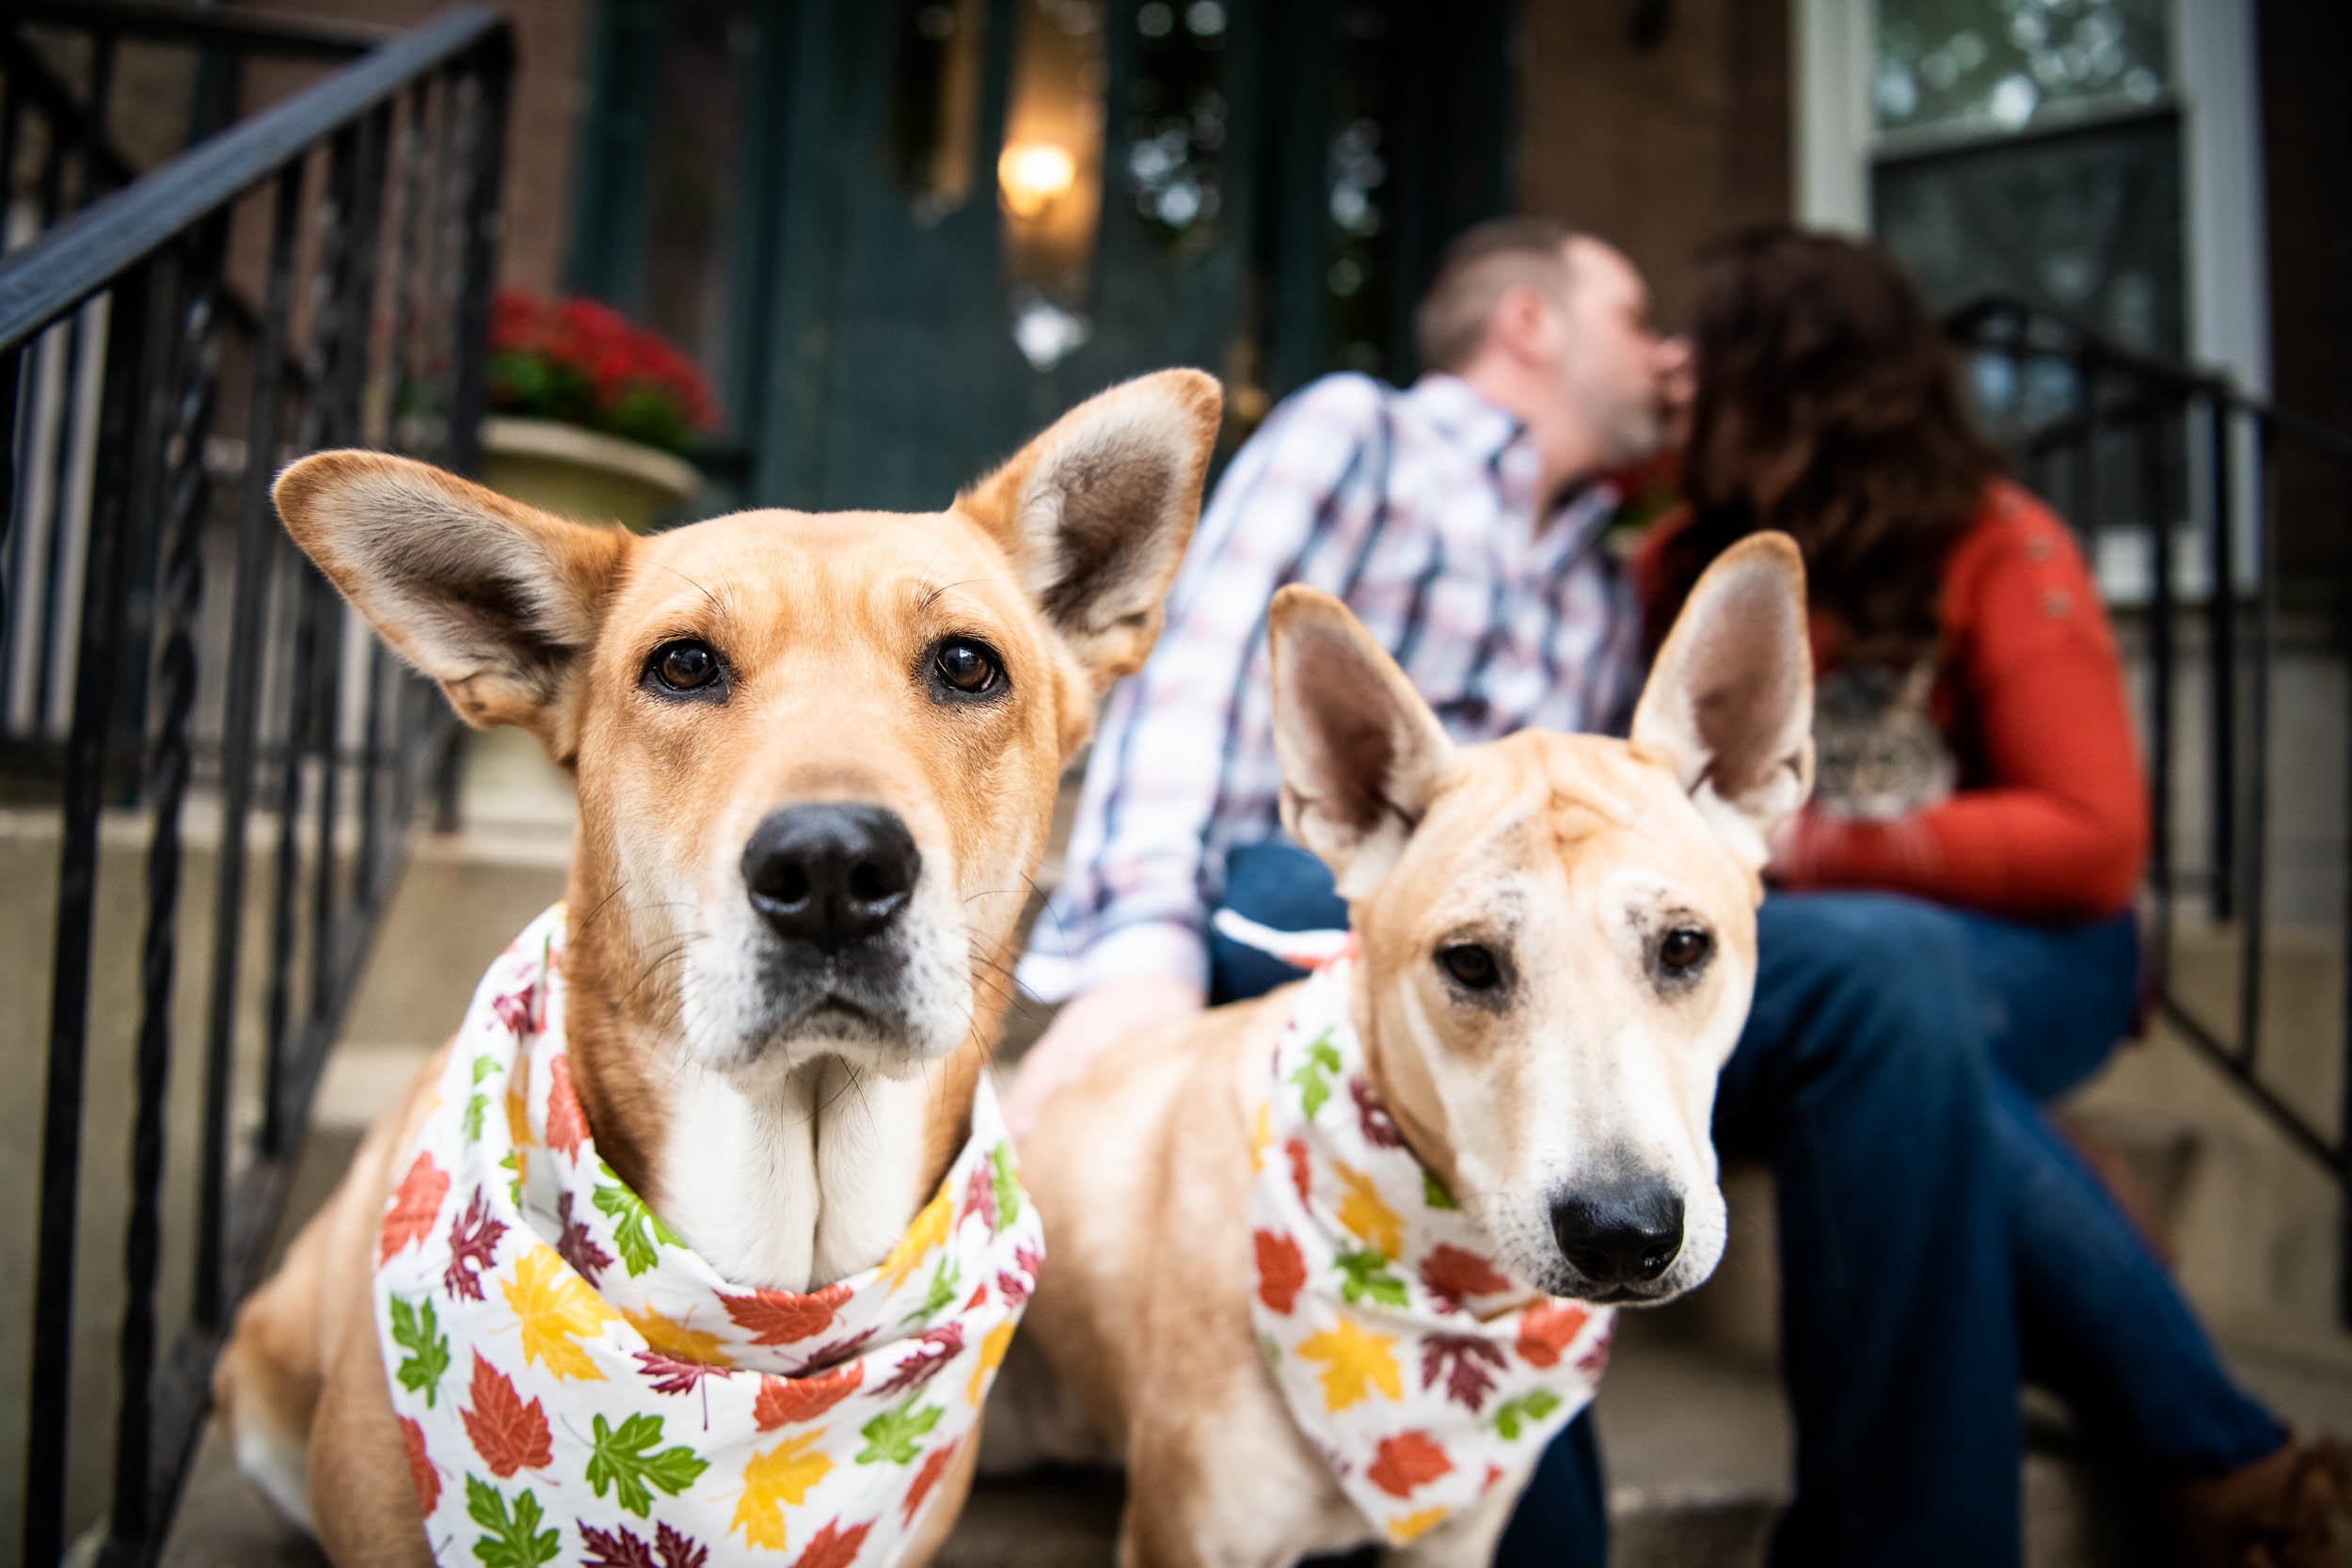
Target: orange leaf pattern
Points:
(934, 1465)
(568, 1124)
(1281, 1270)
(422, 1475)
(1406, 1462)
(1546, 1329)
(415, 1205)
(509, 1434)
(784, 1400)
(780, 1317)
(1403, 1348)
(833, 1547)
(547, 1330)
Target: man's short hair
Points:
(1484, 263)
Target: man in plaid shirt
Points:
(1456, 518)
(1453, 518)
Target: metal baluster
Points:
(486, 170)
(366, 873)
(2156, 510)
(11, 372)
(2344, 1081)
(132, 354)
(2221, 660)
(248, 619)
(2254, 850)
(49, 193)
(344, 393)
(326, 287)
(482, 105)
(186, 496)
(2089, 492)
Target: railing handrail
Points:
(89, 252)
(2178, 376)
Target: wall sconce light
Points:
(1033, 176)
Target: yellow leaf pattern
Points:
(774, 1480)
(1261, 1136)
(928, 1231)
(1355, 1363)
(991, 1357)
(1365, 1216)
(677, 1339)
(518, 1106)
(1408, 1526)
(556, 1308)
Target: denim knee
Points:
(1871, 987)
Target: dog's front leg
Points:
(1466, 1540)
(1226, 1482)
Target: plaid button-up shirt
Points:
(1416, 507)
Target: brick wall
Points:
(1657, 150)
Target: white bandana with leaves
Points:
(1423, 1372)
(574, 1386)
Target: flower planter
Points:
(583, 474)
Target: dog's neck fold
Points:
(787, 1180)
(1388, 1079)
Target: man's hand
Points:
(1086, 1024)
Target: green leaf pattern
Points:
(416, 1330)
(618, 1458)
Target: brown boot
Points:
(2292, 1509)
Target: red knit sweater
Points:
(2050, 817)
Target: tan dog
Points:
(1558, 947)
(816, 758)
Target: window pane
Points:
(1996, 65)
(2089, 225)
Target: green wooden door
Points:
(953, 219)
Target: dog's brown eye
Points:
(1683, 949)
(685, 666)
(1471, 965)
(968, 666)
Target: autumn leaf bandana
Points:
(1421, 1372)
(574, 1385)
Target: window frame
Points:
(2215, 97)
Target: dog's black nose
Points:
(832, 874)
(1624, 1234)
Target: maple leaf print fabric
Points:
(1404, 1350)
(575, 1385)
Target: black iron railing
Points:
(2186, 467)
(315, 274)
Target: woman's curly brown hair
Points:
(1828, 406)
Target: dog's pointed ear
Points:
(1096, 512)
(1361, 751)
(1729, 703)
(498, 602)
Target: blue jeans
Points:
(1938, 1240)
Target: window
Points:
(2098, 158)
(2034, 150)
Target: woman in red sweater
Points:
(2008, 808)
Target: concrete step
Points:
(1698, 1453)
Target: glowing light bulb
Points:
(1033, 176)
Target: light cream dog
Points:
(816, 758)
(1558, 947)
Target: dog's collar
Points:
(574, 1383)
(1420, 1371)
